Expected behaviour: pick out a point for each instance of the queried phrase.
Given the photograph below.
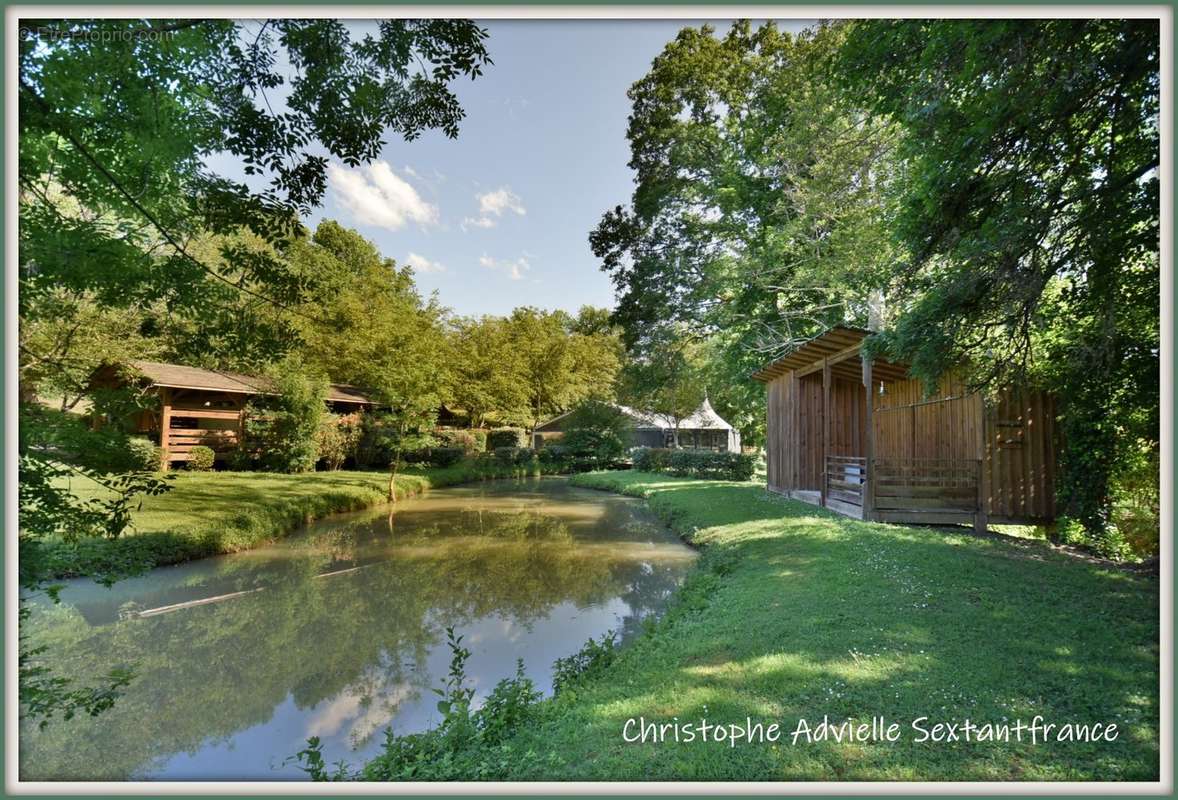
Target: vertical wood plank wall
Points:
(1018, 431)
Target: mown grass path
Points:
(797, 613)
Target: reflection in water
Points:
(338, 631)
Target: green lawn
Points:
(798, 613)
(208, 513)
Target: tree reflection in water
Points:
(337, 631)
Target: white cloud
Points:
(422, 264)
(493, 205)
(513, 268)
(375, 195)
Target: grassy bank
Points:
(797, 613)
(210, 513)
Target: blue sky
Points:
(500, 217)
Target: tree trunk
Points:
(394, 466)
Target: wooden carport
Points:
(859, 436)
(202, 406)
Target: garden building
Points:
(704, 429)
(201, 406)
(859, 436)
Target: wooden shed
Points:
(859, 436)
(202, 406)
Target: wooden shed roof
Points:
(834, 342)
(179, 376)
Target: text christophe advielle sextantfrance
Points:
(639, 730)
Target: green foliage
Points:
(376, 443)
(509, 455)
(711, 465)
(506, 437)
(201, 458)
(561, 360)
(446, 456)
(338, 439)
(281, 430)
(489, 370)
(1137, 502)
(652, 459)
(143, 455)
(667, 378)
(468, 440)
(587, 664)
(1030, 208)
(596, 430)
(696, 463)
(760, 209)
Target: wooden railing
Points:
(844, 480)
(936, 490)
(180, 441)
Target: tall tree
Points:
(488, 371)
(757, 219)
(561, 367)
(1031, 213)
(374, 330)
(667, 379)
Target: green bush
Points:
(709, 464)
(480, 440)
(376, 443)
(281, 429)
(508, 456)
(696, 463)
(201, 458)
(651, 459)
(337, 439)
(507, 437)
(589, 661)
(598, 431)
(471, 441)
(143, 455)
(446, 456)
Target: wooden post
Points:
(796, 437)
(165, 426)
(981, 516)
(825, 426)
(869, 454)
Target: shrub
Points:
(651, 459)
(709, 464)
(553, 454)
(480, 440)
(377, 441)
(445, 456)
(201, 458)
(590, 660)
(597, 430)
(508, 456)
(507, 437)
(471, 441)
(337, 439)
(696, 463)
(280, 431)
(143, 455)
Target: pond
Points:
(339, 630)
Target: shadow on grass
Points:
(811, 614)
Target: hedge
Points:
(507, 437)
(695, 463)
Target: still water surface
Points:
(339, 631)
